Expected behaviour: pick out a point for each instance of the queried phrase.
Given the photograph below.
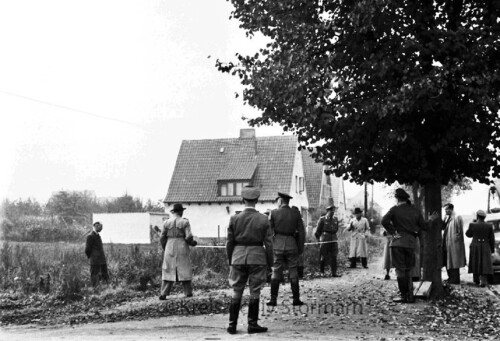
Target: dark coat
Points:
(404, 222)
(326, 231)
(481, 248)
(288, 229)
(94, 249)
(249, 239)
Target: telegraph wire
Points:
(73, 109)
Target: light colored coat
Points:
(176, 262)
(454, 242)
(360, 230)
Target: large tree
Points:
(387, 90)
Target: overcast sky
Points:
(98, 95)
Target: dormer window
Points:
(234, 177)
(231, 189)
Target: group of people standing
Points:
(404, 224)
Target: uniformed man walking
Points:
(326, 231)
(249, 251)
(288, 244)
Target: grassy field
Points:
(62, 270)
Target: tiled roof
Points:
(238, 171)
(313, 174)
(200, 163)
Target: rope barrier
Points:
(223, 246)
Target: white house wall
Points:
(205, 219)
(299, 198)
(124, 228)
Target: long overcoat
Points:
(176, 262)
(454, 246)
(360, 231)
(481, 248)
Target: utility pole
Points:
(366, 199)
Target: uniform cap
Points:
(357, 210)
(284, 196)
(481, 213)
(250, 193)
(331, 207)
(401, 194)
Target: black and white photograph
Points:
(249, 169)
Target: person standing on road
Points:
(453, 244)
(404, 222)
(175, 239)
(326, 231)
(360, 230)
(249, 252)
(95, 253)
(481, 248)
(288, 244)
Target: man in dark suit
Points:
(250, 253)
(288, 244)
(95, 253)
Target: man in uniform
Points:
(326, 231)
(249, 251)
(288, 244)
(404, 222)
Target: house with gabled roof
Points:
(209, 175)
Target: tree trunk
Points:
(433, 241)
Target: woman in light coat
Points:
(176, 237)
(360, 230)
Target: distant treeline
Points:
(66, 216)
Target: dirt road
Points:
(356, 306)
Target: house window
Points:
(223, 190)
(229, 189)
(296, 184)
(239, 186)
(301, 184)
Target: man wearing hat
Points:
(481, 248)
(403, 222)
(360, 230)
(249, 252)
(95, 253)
(175, 238)
(288, 244)
(326, 231)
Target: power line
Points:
(73, 109)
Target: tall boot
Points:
(294, 283)
(300, 271)
(253, 317)
(353, 262)
(234, 311)
(403, 290)
(166, 287)
(333, 266)
(188, 289)
(364, 262)
(411, 297)
(275, 285)
(322, 266)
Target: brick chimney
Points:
(249, 133)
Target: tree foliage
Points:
(388, 90)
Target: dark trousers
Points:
(453, 276)
(98, 272)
